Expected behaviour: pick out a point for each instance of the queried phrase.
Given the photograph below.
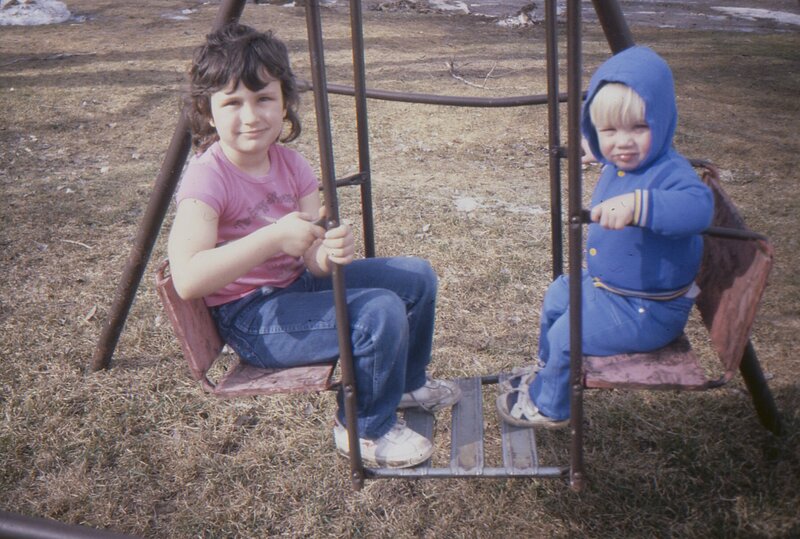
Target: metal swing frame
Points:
(466, 451)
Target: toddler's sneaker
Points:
(433, 396)
(401, 447)
(517, 408)
(521, 377)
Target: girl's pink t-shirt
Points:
(245, 203)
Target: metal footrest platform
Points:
(520, 457)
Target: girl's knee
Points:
(380, 314)
(421, 268)
(416, 280)
(428, 279)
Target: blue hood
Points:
(649, 75)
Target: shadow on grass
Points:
(680, 464)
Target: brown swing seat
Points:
(202, 345)
(732, 279)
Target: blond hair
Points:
(616, 104)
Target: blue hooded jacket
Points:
(658, 255)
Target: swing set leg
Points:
(167, 180)
(753, 376)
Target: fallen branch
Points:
(77, 243)
(59, 56)
(451, 66)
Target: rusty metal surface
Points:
(201, 345)
(192, 325)
(575, 238)
(466, 445)
(468, 457)
(671, 367)
(554, 138)
(348, 388)
(244, 380)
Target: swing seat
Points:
(674, 366)
(732, 279)
(202, 345)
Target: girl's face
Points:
(626, 146)
(248, 122)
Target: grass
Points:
(140, 449)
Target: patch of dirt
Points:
(770, 16)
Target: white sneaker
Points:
(401, 447)
(433, 396)
(517, 408)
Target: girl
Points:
(244, 239)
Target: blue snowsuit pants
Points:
(612, 324)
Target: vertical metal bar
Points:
(360, 87)
(574, 85)
(229, 11)
(614, 25)
(157, 207)
(756, 384)
(554, 132)
(320, 83)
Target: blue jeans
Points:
(391, 303)
(612, 324)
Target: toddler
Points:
(644, 244)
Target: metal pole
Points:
(756, 384)
(445, 100)
(360, 86)
(554, 133)
(574, 69)
(14, 526)
(331, 204)
(143, 244)
(157, 207)
(614, 25)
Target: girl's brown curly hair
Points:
(238, 53)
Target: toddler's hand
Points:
(297, 233)
(615, 213)
(339, 244)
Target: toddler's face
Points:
(626, 146)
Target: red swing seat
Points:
(732, 279)
(202, 346)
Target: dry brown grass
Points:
(140, 449)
